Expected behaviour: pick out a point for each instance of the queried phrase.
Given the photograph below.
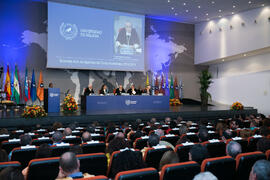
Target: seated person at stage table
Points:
(119, 90)
(103, 90)
(132, 90)
(89, 90)
(148, 90)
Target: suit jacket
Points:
(88, 91)
(130, 91)
(123, 39)
(150, 91)
(118, 92)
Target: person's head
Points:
(120, 135)
(128, 26)
(203, 135)
(260, 170)
(173, 124)
(76, 149)
(104, 87)
(57, 125)
(253, 124)
(57, 137)
(183, 130)
(86, 136)
(148, 87)
(234, 124)
(3, 131)
(3, 155)
(168, 157)
(44, 151)
(227, 134)
(127, 160)
(205, 176)
(69, 163)
(120, 86)
(263, 144)
(50, 85)
(116, 144)
(67, 132)
(11, 173)
(167, 120)
(132, 86)
(159, 132)
(90, 86)
(25, 140)
(90, 129)
(198, 153)
(153, 140)
(233, 148)
(153, 120)
(264, 131)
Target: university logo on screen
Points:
(68, 31)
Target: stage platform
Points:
(11, 119)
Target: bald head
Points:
(233, 149)
(120, 135)
(86, 136)
(67, 132)
(69, 163)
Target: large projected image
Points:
(89, 38)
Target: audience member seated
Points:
(127, 160)
(76, 149)
(25, 140)
(120, 90)
(198, 153)
(3, 131)
(148, 90)
(86, 136)
(3, 155)
(67, 132)
(160, 133)
(245, 134)
(153, 140)
(234, 124)
(132, 90)
(57, 138)
(104, 90)
(69, 167)
(227, 134)
(168, 157)
(57, 125)
(264, 131)
(233, 148)
(11, 173)
(203, 134)
(253, 124)
(263, 144)
(171, 126)
(205, 176)
(260, 170)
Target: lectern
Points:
(52, 100)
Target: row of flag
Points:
(172, 88)
(13, 88)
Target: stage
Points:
(190, 110)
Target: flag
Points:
(147, 80)
(176, 89)
(156, 85)
(40, 88)
(16, 86)
(26, 87)
(7, 84)
(171, 89)
(162, 85)
(33, 90)
(20, 86)
(167, 86)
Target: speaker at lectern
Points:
(52, 100)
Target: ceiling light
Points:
(232, 12)
(199, 7)
(206, 14)
(184, 4)
(219, 10)
(169, 1)
(219, 16)
(176, 14)
(213, 2)
(245, 54)
(233, 6)
(223, 60)
(195, 17)
(187, 10)
(172, 8)
(249, 2)
(262, 5)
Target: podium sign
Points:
(52, 100)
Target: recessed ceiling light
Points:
(206, 14)
(213, 2)
(172, 8)
(195, 17)
(176, 14)
(184, 4)
(245, 54)
(233, 6)
(169, 1)
(219, 16)
(249, 2)
(199, 7)
(262, 5)
(187, 10)
(232, 12)
(219, 10)
(223, 60)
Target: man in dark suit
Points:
(128, 36)
(148, 90)
(132, 90)
(119, 90)
(88, 90)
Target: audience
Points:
(260, 170)
(168, 157)
(160, 133)
(205, 176)
(203, 134)
(25, 140)
(227, 134)
(44, 151)
(67, 132)
(11, 173)
(3, 155)
(57, 138)
(198, 153)
(233, 148)
(69, 167)
(127, 160)
(263, 144)
(86, 136)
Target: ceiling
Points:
(187, 11)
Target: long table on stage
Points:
(93, 104)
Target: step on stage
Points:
(189, 110)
